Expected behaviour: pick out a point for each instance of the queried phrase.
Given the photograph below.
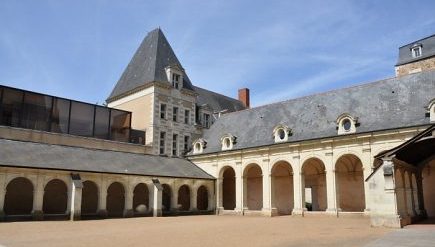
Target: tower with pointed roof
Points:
(164, 103)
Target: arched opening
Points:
(428, 182)
(115, 200)
(89, 198)
(315, 184)
(229, 189)
(166, 198)
(202, 198)
(184, 198)
(140, 199)
(254, 187)
(349, 178)
(282, 188)
(19, 197)
(55, 197)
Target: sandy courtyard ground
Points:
(194, 231)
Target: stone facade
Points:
(415, 67)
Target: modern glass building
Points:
(30, 110)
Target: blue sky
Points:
(278, 49)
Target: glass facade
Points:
(24, 109)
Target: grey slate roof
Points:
(386, 104)
(39, 155)
(148, 65)
(217, 102)
(428, 50)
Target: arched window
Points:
(199, 146)
(228, 141)
(431, 110)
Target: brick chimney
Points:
(244, 96)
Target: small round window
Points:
(281, 134)
(347, 124)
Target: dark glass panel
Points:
(82, 119)
(101, 129)
(36, 111)
(11, 107)
(120, 125)
(60, 116)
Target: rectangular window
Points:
(186, 143)
(101, 129)
(162, 111)
(120, 123)
(60, 115)
(174, 144)
(36, 111)
(186, 116)
(10, 109)
(175, 114)
(82, 119)
(162, 142)
(206, 120)
(416, 51)
(175, 80)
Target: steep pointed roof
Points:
(147, 65)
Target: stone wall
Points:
(415, 67)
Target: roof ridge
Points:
(363, 84)
(415, 41)
(217, 93)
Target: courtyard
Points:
(207, 230)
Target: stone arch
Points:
(202, 198)
(140, 198)
(314, 177)
(184, 198)
(349, 179)
(166, 197)
(89, 198)
(19, 197)
(253, 187)
(228, 189)
(282, 187)
(115, 201)
(55, 197)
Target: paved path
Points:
(192, 231)
(420, 235)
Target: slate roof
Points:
(147, 65)
(46, 156)
(428, 50)
(217, 102)
(386, 104)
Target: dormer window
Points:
(281, 133)
(431, 110)
(175, 80)
(174, 75)
(228, 141)
(199, 146)
(346, 124)
(416, 50)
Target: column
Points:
(193, 199)
(211, 200)
(75, 201)
(2, 195)
(174, 200)
(38, 198)
(219, 195)
(102, 199)
(298, 187)
(157, 199)
(415, 195)
(331, 191)
(266, 188)
(240, 193)
(150, 187)
(128, 204)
